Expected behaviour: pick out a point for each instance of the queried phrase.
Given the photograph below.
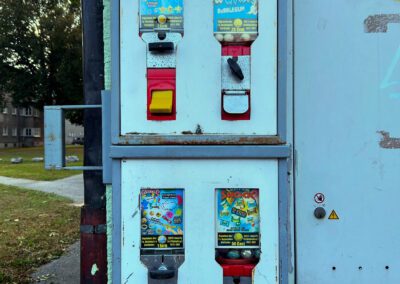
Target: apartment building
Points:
(72, 131)
(20, 127)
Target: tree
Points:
(41, 52)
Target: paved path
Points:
(71, 187)
(65, 270)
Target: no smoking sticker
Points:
(319, 198)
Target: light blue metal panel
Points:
(347, 102)
(115, 72)
(106, 132)
(54, 137)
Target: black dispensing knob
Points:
(235, 68)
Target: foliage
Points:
(41, 52)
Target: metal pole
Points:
(93, 214)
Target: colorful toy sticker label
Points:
(235, 16)
(238, 219)
(161, 14)
(161, 218)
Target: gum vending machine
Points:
(198, 142)
(237, 231)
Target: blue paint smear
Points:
(395, 96)
(386, 83)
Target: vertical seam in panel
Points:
(283, 202)
(284, 221)
(294, 153)
(282, 68)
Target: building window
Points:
(14, 132)
(5, 131)
(35, 113)
(27, 132)
(14, 111)
(36, 132)
(5, 110)
(27, 111)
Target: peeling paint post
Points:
(94, 270)
(93, 213)
(107, 86)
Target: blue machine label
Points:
(161, 218)
(238, 218)
(170, 11)
(235, 16)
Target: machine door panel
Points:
(197, 78)
(199, 180)
(347, 101)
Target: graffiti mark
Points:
(379, 23)
(388, 142)
(127, 279)
(94, 270)
(388, 81)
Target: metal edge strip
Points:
(116, 216)
(115, 71)
(106, 121)
(199, 152)
(199, 139)
(282, 66)
(284, 222)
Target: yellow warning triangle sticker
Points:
(333, 216)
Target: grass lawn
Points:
(35, 228)
(35, 170)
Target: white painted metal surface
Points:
(199, 178)
(199, 75)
